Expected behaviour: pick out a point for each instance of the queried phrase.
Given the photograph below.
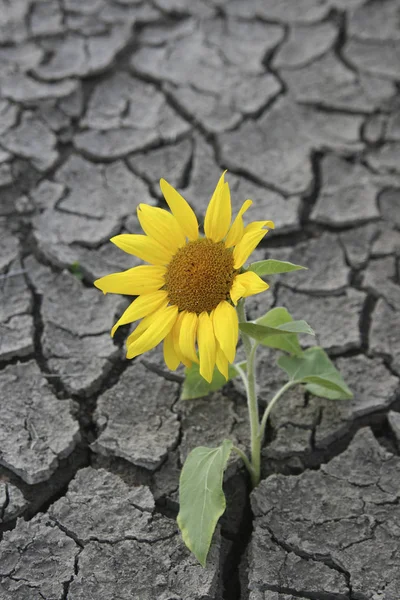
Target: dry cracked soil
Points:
(299, 100)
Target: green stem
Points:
(254, 417)
(241, 311)
(249, 381)
(271, 405)
(243, 377)
(244, 458)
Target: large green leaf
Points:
(273, 267)
(273, 318)
(201, 498)
(315, 367)
(262, 332)
(195, 386)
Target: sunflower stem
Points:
(249, 379)
(244, 458)
(254, 417)
(270, 406)
(241, 311)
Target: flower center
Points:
(200, 276)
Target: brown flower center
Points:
(200, 275)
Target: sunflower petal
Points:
(133, 282)
(235, 233)
(139, 329)
(160, 324)
(207, 346)
(170, 357)
(181, 210)
(161, 226)
(222, 362)
(245, 247)
(143, 247)
(219, 212)
(141, 307)
(226, 327)
(257, 225)
(175, 338)
(187, 335)
(175, 332)
(237, 290)
(247, 284)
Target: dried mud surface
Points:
(299, 100)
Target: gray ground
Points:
(98, 100)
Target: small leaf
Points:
(315, 367)
(273, 267)
(201, 497)
(76, 269)
(195, 386)
(275, 317)
(261, 332)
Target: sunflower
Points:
(187, 293)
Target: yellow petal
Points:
(207, 346)
(181, 210)
(144, 247)
(257, 225)
(161, 226)
(187, 335)
(141, 307)
(170, 357)
(175, 338)
(219, 212)
(226, 328)
(222, 362)
(139, 329)
(235, 233)
(245, 247)
(133, 282)
(247, 284)
(162, 321)
(176, 331)
(236, 291)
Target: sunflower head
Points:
(200, 275)
(187, 292)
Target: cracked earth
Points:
(299, 100)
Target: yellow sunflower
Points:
(187, 292)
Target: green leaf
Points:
(324, 392)
(275, 317)
(201, 498)
(76, 269)
(273, 267)
(261, 332)
(195, 386)
(315, 367)
(297, 327)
